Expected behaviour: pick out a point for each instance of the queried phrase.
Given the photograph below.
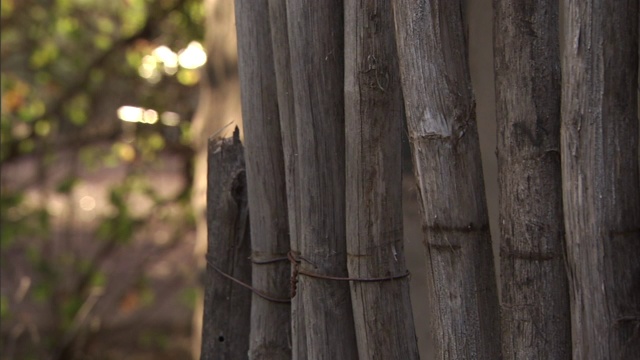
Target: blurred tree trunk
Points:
(316, 40)
(226, 318)
(535, 297)
(282, 62)
(218, 106)
(270, 325)
(375, 249)
(601, 187)
(462, 300)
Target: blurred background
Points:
(106, 108)
(100, 136)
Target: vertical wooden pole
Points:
(462, 301)
(601, 189)
(535, 296)
(218, 105)
(373, 117)
(225, 328)
(270, 325)
(316, 40)
(282, 62)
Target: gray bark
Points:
(225, 328)
(317, 68)
(270, 325)
(375, 249)
(462, 299)
(535, 296)
(601, 189)
(282, 62)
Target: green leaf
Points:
(188, 297)
(67, 185)
(102, 42)
(156, 142)
(117, 199)
(4, 307)
(34, 256)
(10, 200)
(26, 146)
(188, 77)
(119, 228)
(44, 54)
(8, 236)
(42, 291)
(147, 296)
(69, 309)
(6, 8)
(196, 11)
(105, 25)
(63, 6)
(66, 25)
(42, 218)
(98, 278)
(42, 128)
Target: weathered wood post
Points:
(218, 105)
(316, 40)
(270, 319)
(535, 296)
(225, 328)
(601, 190)
(462, 301)
(282, 62)
(373, 117)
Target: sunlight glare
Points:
(150, 116)
(193, 56)
(130, 113)
(168, 58)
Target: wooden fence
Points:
(320, 272)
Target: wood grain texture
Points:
(601, 190)
(373, 117)
(535, 297)
(225, 329)
(316, 40)
(218, 105)
(282, 62)
(270, 325)
(462, 301)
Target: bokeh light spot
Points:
(87, 203)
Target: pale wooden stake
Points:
(282, 62)
(316, 40)
(270, 321)
(462, 300)
(373, 117)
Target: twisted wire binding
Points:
(268, 261)
(295, 260)
(243, 284)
